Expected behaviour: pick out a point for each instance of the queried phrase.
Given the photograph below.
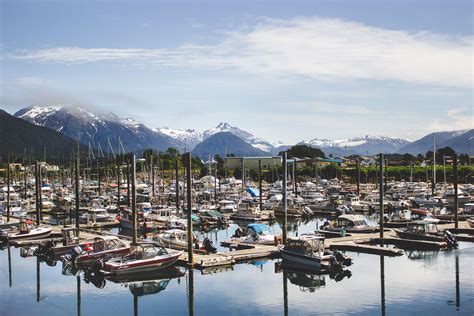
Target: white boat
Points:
(308, 252)
(27, 230)
(144, 256)
(258, 234)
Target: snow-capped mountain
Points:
(358, 145)
(192, 137)
(98, 129)
(189, 137)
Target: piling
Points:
(455, 176)
(37, 193)
(118, 183)
(98, 175)
(134, 201)
(128, 182)
(381, 196)
(8, 190)
(284, 199)
(37, 279)
(382, 284)
(358, 176)
(191, 292)
(177, 183)
(190, 209)
(77, 195)
(285, 293)
(152, 176)
(294, 178)
(260, 183)
(78, 278)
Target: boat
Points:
(27, 230)
(307, 251)
(143, 256)
(470, 222)
(349, 223)
(251, 213)
(422, 230)
(103, 247)
(257, 233)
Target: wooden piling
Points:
(128, 182)
(177, 183)
(37, 193)
(358, 176)
(134, 201)
(260, 183)
(8, 189)
(284, 199)
(189, 205)
(381, 193)
(455, 180)
(77, 195)
(98, 175)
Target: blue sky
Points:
(283, 70)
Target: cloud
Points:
(455, 119)
(321, 48)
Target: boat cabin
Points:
(308, 245)
(104, 243)
(422, 228)
(144, 251)
(350, 221)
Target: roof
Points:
(351, 218)
(258, 228)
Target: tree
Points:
(300, 151)
(446, 151)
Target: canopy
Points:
(258, 228)
(253, 192)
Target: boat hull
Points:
(304, 261)
(142, 265)
(30, 236)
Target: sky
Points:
(283, 70)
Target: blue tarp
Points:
(258, 228)
(253, 192)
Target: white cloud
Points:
(319, 48)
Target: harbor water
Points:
(416, 283)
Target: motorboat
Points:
(257, 233)
(27, 230)
(143, 256)
(252, 213)
(422, 230)
(349, 223)
(308, 251)
(178, 239)
(103, 247)
(470, 222)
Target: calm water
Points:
(417, 283)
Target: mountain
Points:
(225, 143)
(358, 145)
(192, 137)
(461, 143)
(20, 137)
(443, 139)
(98, 129)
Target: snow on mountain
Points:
(192, 137)
(37, 114)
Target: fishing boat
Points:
(143, 256)
(422, 230)
(103, 247)
(350, 224)
(27, 230)
(251, 213)
(308, 251)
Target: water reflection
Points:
(78, 281)
(9, 267)
(382, 284)
(38, 279)
(190, 292)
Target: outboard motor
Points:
(45, 249)
(238, 233)
(344, 260)
(450, 240)
(74, 253)
(209, 246)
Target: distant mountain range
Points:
(102, 129)
(457, 140)
(18, 137)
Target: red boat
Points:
(144, 256)
(104, 247)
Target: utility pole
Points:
(284, 201)
(134, 201)
(455, 175)
(190, 212)
(77, 195)
(381, 198)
